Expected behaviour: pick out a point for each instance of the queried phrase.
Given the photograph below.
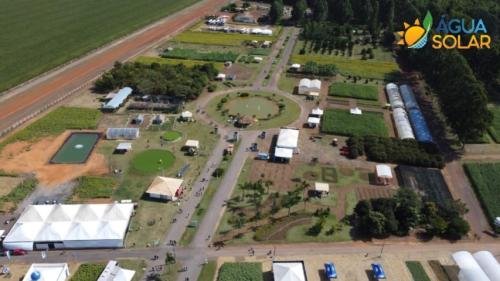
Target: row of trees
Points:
(381, 217)
(176, 81)
(313, 68)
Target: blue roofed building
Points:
(118, 99)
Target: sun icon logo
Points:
(415, 36)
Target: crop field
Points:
(484, 178)
(219, 38)
(56, 122)
(248, 271)
(44, 34)
(90, 187)
(88, 272)
(341, 122)
(348, 90)
(417, 271)
(495, 126)
(203, 56)
(188, 63)
(428, 182)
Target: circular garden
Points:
(172, 135)
(153, 160)
(266, 110)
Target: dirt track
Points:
(43, 90)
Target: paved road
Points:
(42, 92)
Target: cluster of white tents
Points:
(70, 226)
(480, 266)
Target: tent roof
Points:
(192, 143)
(119, 98)
(283, 152)
(356, 111)
(48, 271)
(322, 186)
(186, 114)
(313, 120)
(384, 171)
(113, 272)
(469, 268)
(488, 264)
(317, 111)
(288, 138)
(124, 146)
(165, 186)
(313, 94)
(288, 271)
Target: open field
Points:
(9, 201)
(90, 187)
(376, 69)
(220, 38)
(357, 91)
(188, 63)
(65, 30)
(250, 106)
(427, 182)
(484, 178)
(193, 54)
(494, 130)
(341, 122)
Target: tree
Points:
(375, 224)
(362, 208)
(276, 12)
(457, 228)
(290, 199)
(321, 10)
(299, 10)
(373, 24)
(218, 172)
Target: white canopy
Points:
(192, 143)
(48, 272)
(288, 138)
(322, 186)
(403, 125)
(165, 187)
(313, 94)
(186, 114)
(221, 76)
(124, 146)
(469, 268)
(313, 120)
(288, 271)
(317, 111)
(356, 111)
(113, 272)
(488, 264)
(295, 65)
(384, 171)
(283, 152)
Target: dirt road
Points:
(46, 89)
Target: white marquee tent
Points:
(469, 268)
(394, 97)
(288, 139)
(403, 125)
(289, 271)
(70, 226)
(47, 272)
(122, 133)
(488, 264)
(308, 85)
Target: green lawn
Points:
(484, 178)
(417, 271)
(241, 271)
(88, 272)
(172, 135)
(56, 122)
(8, 203)
(220, 38)
(208, 271)
(357, 91)
(495, 126)
(90, 187)
(40, 35)
(249, 106)
(188, 63)
(152, 161)
(194, 54)
(341, 232)
(341, 122)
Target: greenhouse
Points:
(122, 133)
(419, 125)
(394, 96)
(408, 97)
(402, 124)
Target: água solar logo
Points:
(449, 34)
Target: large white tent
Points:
(488, 264)
(47, 272)
(308, 85)
(469, 268)
(70, 226)
(288, 139)
(289, 271)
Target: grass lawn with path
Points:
(153, 160)
(259, 107)
(342, 122)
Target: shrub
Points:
(212, 87)
(218, 172)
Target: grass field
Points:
(258, 106)
(9, 202)
(188, 63)
(219, 38)
(484, 178)
(341, 122)
(494, 130)
(88, 272)
(417, 271)
(193, 54)
(245, 271)
(76, 149)
(364, 92)
(154, 160)
(90, 187)
(56, 122)
(208, 271)
(44, 34)
(377, 69)
(171, 135)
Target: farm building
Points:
(70, 226)
(383, 174)
(307, 85)
(47, 272)
(123, 147)
(478, 267)
(118, 99)
(245, 18)
(402, 124)
(113, 272)
(289, 271)
(122, 133)
(394, 97)
(287, 143)
(165, 188)
(417, 120)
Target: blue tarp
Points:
(408, 97)
(119, 98)
(417, 120)
(330, 270)
(378, 271)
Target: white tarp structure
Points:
(317, 111)
(355, 111)
(322, 187)
(470, 270)
(403, 125)
(70, 226)
(118, 99)
(286, 153)
(307, 85)
(313, 120)
(186, 115)
(289, 271)
(384, 171)
(288, 140)
(295, 66)
(165, 188)
(47, 272)
(122, 133)
(488, 264)
(124, 146)
(192, 143)
(394, 97)
(113, 272)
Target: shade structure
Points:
(113, 272)
(118, 99)
(288, 138)
(122, 133)
(469, 268)
(356, 111)
(70, 226)
(289, 271)
(402, 122)
(47, 272)
(313, 120)
(395, 99)
(384, 171)
(186, 114)
(322, 186)
(307, 85)
(165, 188)
(488, 264)
(317, 111)
(192, 143)
(124, 146)
(281, 152)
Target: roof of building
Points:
(192, 143)
(469, 268)
(113, 272)
(288, 138)
(119, 98)
(394, 97)
(408, 96)
(124, 146)
(283, 152)
(186, 114)
(488, 264)
(47, 272)
(383, 171)
(289, 271)
(402, 124)
(317, 111)
(322, 186)
(165, 186)
(417, 120)
(313, 120)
